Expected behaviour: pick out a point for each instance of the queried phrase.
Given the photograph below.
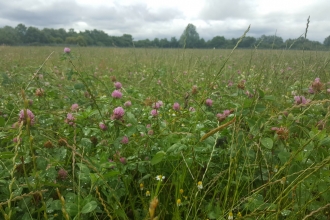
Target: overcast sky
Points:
(168, 18)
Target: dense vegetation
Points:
(109, 133)
(22, 35)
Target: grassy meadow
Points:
(109, 133)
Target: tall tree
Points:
(326, 41)
(21, 31)
(189, 37)
(217, 42)
(174, 42)
(8, 35)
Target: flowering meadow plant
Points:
(123, 133)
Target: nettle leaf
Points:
(158, 157)
(267, 143)
(89, 207)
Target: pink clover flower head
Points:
(62, 174)
(328, 90)
(127, 103)
(226, 112)
(70, 119)
(29, 115)
(15, 140)
(221, 117)
(102, 126)
(118, 113)
(310, 90)
(230, 84)
(123, 160)
(124, 140)
(224, 115)
(317, 85)
(74, 107)
(150, 132)
(209, 102)
(154, 112)
(156, 105)
(192, 109)
(176, 106)
(67, 50)
(301, 100)
(116, 94)
(118, 85)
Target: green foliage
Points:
(189, 37)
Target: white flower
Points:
(160, 177)
(230, 216)
(200, 185)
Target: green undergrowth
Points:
(76, 157)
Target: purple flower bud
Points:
(209, 102)
(29, 114)
(176, 106)
(116, 94)
(67, 50)
(127, 103)
(103, 126)
(124, 140)
(74, 107)
(118, 85)
(154, 112)
(123, 160)
(118, 113)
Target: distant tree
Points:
(326, 41)
(174, 42)
(247, 42)
(21, 31)
(127, 40)
(156, 42)
(164, 43)
(201, 43)
(217, 42)
(33, 35)
(8, 35)
(189, 37)
(271, 41)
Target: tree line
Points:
(22, 35)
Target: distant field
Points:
(109, 133)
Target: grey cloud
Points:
(66, 13)
(224, 9)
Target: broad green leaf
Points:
(158, 157)
(89, 207)
(267, 143)
(71, 208)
